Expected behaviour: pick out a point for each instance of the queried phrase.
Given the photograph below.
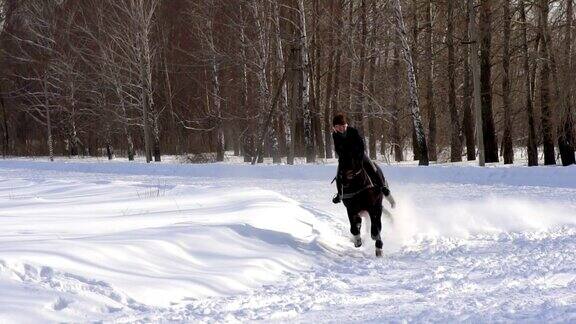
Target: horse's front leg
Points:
(376, 228)
(355, 224)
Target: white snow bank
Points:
(71, 249)
(223, 243)
(564, 177)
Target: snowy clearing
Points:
(134, 242)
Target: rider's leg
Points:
(372, 170)
(338, 196)
(385, 188)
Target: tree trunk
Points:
(156, 140)
(296, 111)
(468, 122)
(109, 150)
(6, 136)
(489, 131)
(216, 102)
(415, 32)
(412, 86)
(475, 63)
(531, 143)
(547, 123)
(566, 138)
(350, 39)
(328, 112)
(145, 97)
(337, 63)
(396, 139)
(455, 142)
(304, 88)
(429, 79)
(269, 120)
(359, 102)
(247, 140)
(371, 87)
(371, 119)
(316, 88)
(48, 122)
(507, 140)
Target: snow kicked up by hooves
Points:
(224, 243)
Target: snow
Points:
(115, 241)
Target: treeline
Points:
(449, 80)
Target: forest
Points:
(425, 80)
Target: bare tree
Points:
(412, 86)
(485, 38)
(566, 138)
(304, 89)
(455, 141)
(429, 81)
(468, 122)
(475, 64)
(547, 122)
(507, 148)
(528, 88)
(396, 138)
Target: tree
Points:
(507, 137)
(468, 119)
(476, 74)
(412, 86)
(304, 89)
(547, 122)
(528, 88)
(429, 81)
(455, 141)
(489, 131)
(566, 134)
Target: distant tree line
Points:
(449, 80)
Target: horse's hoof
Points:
(378, 253)
(357, 241)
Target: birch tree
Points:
(412, 86)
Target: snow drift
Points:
(136, 242)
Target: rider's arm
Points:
(358, 148)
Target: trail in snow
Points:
(457, 250)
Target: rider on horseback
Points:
(349, 146)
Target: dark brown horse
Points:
(359, 194)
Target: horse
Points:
(358, 195)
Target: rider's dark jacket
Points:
(348, 145)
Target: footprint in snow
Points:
(61, 303)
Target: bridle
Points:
(349, 176)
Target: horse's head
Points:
(350, 169)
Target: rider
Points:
(348, 144)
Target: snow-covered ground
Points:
(114, 241)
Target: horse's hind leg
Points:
(355, 223)
(376, 228)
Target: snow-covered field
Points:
(125, 242)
